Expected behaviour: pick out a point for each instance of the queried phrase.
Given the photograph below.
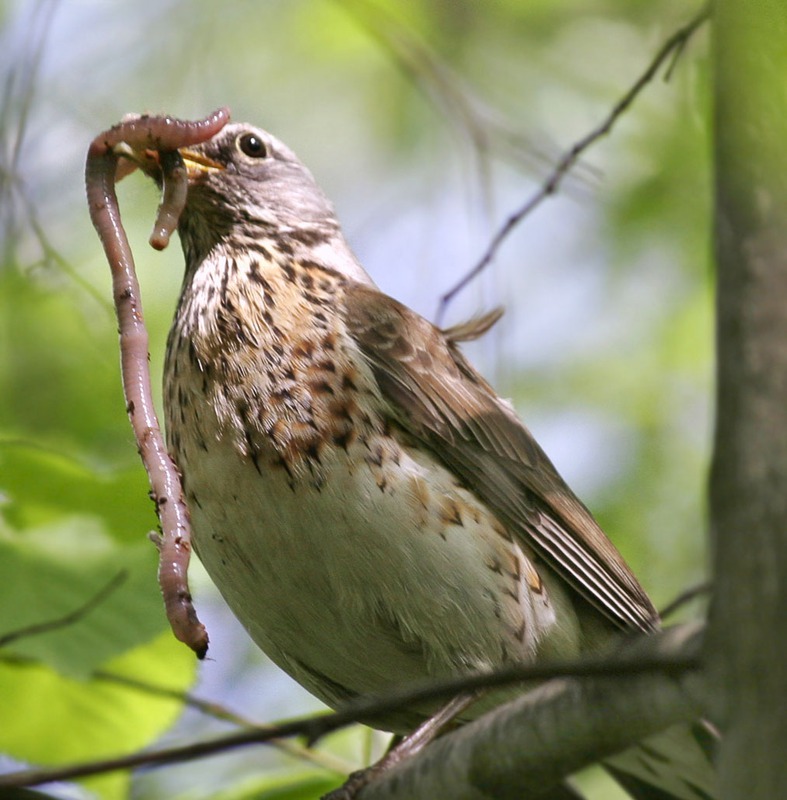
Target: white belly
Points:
(365, 582)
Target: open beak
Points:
(197, 164)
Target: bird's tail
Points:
(674, 765)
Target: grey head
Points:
(245, 187)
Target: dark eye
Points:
(251, 144)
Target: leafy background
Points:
(427, 122)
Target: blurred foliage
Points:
(427, 122)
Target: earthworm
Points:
(161, 134)
(173, 199)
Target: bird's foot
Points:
(355, 782)
(409, 746)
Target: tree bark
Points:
(747, 648)
(526, 747)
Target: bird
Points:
(371, 510)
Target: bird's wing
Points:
(433, 393)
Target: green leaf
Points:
(39, 485)
(292, 786)
(56, 571)
(50, 719)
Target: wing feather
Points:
(434, 394)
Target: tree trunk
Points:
(747, 648)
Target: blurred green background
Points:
(427, 122)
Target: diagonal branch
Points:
(669, 50)
(220, 712)
(527, 747)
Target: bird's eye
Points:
(252, 145)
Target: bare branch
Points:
(529, 746)
(221, 712)
(550, 186)
(438, 82)
(687, 596)
(669, 655)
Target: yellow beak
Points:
(197, 164)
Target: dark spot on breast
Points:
(512, 593)
(322, 387)
(304, 349)
(345, 438)
(326, 365)
(449, 512)
(495, 565)
(256, 277)
(253, 453)
(376, 455)
(342, 409)
(308, 236)
(284, 246)
(288, 269)
(281, 462)
(262, 250)
(225, 279)
(312, 451)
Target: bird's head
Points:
(245, 187)
(248, 176)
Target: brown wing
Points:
(437, 396)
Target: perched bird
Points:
(371, 510)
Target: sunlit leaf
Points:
(303, 785)
(61, 720)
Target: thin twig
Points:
(319, 758)
(221, 712)
(684, 597)
(680, 659)
(71, 618)
(674, 44)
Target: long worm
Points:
(166, 135)
(173, 199)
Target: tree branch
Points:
(670, 49)
(668, 656)
(692, 593)
(747, 651)
(530, 745)
(220, 712)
